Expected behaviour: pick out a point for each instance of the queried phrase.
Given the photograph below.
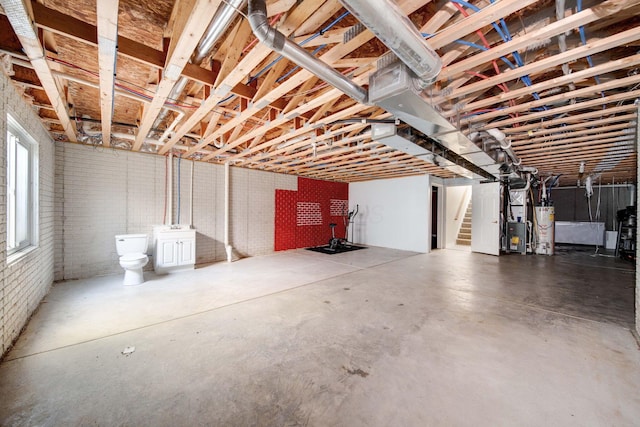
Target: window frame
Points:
(17, 135)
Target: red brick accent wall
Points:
(303, 216)
(285, 233)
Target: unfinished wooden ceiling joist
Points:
(558, 78)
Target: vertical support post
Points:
(227, 218)
(170, 190)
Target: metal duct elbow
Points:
(385, 19)
(263, 31)
(274, 39)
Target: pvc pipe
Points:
(191, 195)
(227, 246)
(170, 190)
(179, 190)
(173, 124)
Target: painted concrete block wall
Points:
(58, 248)
(208, 211)
(253, 209)
(105, 193)
(303, 216)
(456, 205)
(24, 282)
(109, 192)
(394, 213)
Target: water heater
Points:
(545, 230)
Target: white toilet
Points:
(132, 249)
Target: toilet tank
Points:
(131, 243)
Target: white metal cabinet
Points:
(174, 249)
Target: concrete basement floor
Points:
(375, 337)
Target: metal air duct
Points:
(219, 24)
(393, 87)
(396, 86)
(279, 43)
(385, 19)
(412, 141)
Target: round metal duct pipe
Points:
(279, 43)
(385, 19)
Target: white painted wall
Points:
(24, 282)
(394, 213)
(457, 199)
(109, 192)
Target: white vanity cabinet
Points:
(174, 249)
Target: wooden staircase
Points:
(464, 235)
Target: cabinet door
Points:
(168, 253)
(187, 252)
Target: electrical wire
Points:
(534, 233)
(598, 207)
(119, 85)
(474, 45)
(297, 67)
(583, 39)
(506, 37)
(478, 32)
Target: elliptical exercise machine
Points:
(336, 243)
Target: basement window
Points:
(22, 190)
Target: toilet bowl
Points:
(132, 250)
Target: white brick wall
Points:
(253, 209)
(26, 281)
(105, 192)
(89, 195)
(109, 192)
(308, 213)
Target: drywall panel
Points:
(394, 213)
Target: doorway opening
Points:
(434, 217)
(458, 217)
